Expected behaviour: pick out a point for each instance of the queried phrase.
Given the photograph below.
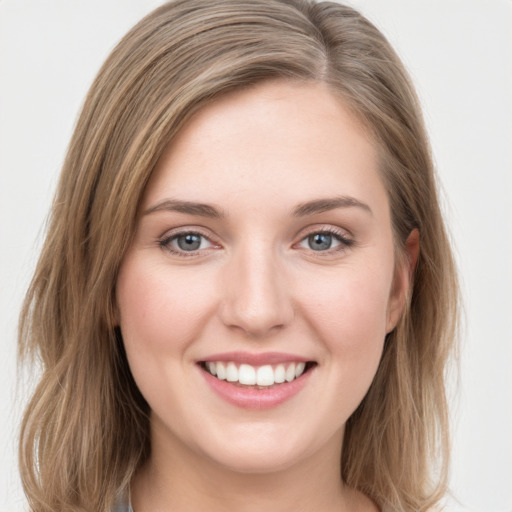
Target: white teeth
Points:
(231, 372)
(299, 369)
(221, 371)
(290, 373)
(248, 375)
(279, 374)
(265, 376)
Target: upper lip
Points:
(255, 359)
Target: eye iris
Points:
(320, 241)
(189, 242)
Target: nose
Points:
(256, 298)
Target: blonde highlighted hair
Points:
(86, 428)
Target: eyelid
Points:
(325, 228)
(343, 236)
(165, 240)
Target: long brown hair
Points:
(86, 428)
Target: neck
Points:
(181, 480)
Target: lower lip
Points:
(253, 398)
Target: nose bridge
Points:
(256, 299)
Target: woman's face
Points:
(263, 253)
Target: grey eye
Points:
(320, 241)
(186, 243)
(189, 242)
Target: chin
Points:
(264, 450)
(261, 463)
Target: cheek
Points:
(348, 317)
(348, 313)
(160, 310)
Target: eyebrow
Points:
(188, 207)
(302, 210)
(324, 205)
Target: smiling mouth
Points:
(259, 377)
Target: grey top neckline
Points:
(123, 504)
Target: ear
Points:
(402, 280)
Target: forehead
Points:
(276, 141)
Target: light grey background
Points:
(459, 53)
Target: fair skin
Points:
(265, 240)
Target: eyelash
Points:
(344, 241)
(340, 236)
(165, 243)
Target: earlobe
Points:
(402, 280)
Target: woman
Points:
(246, 277)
